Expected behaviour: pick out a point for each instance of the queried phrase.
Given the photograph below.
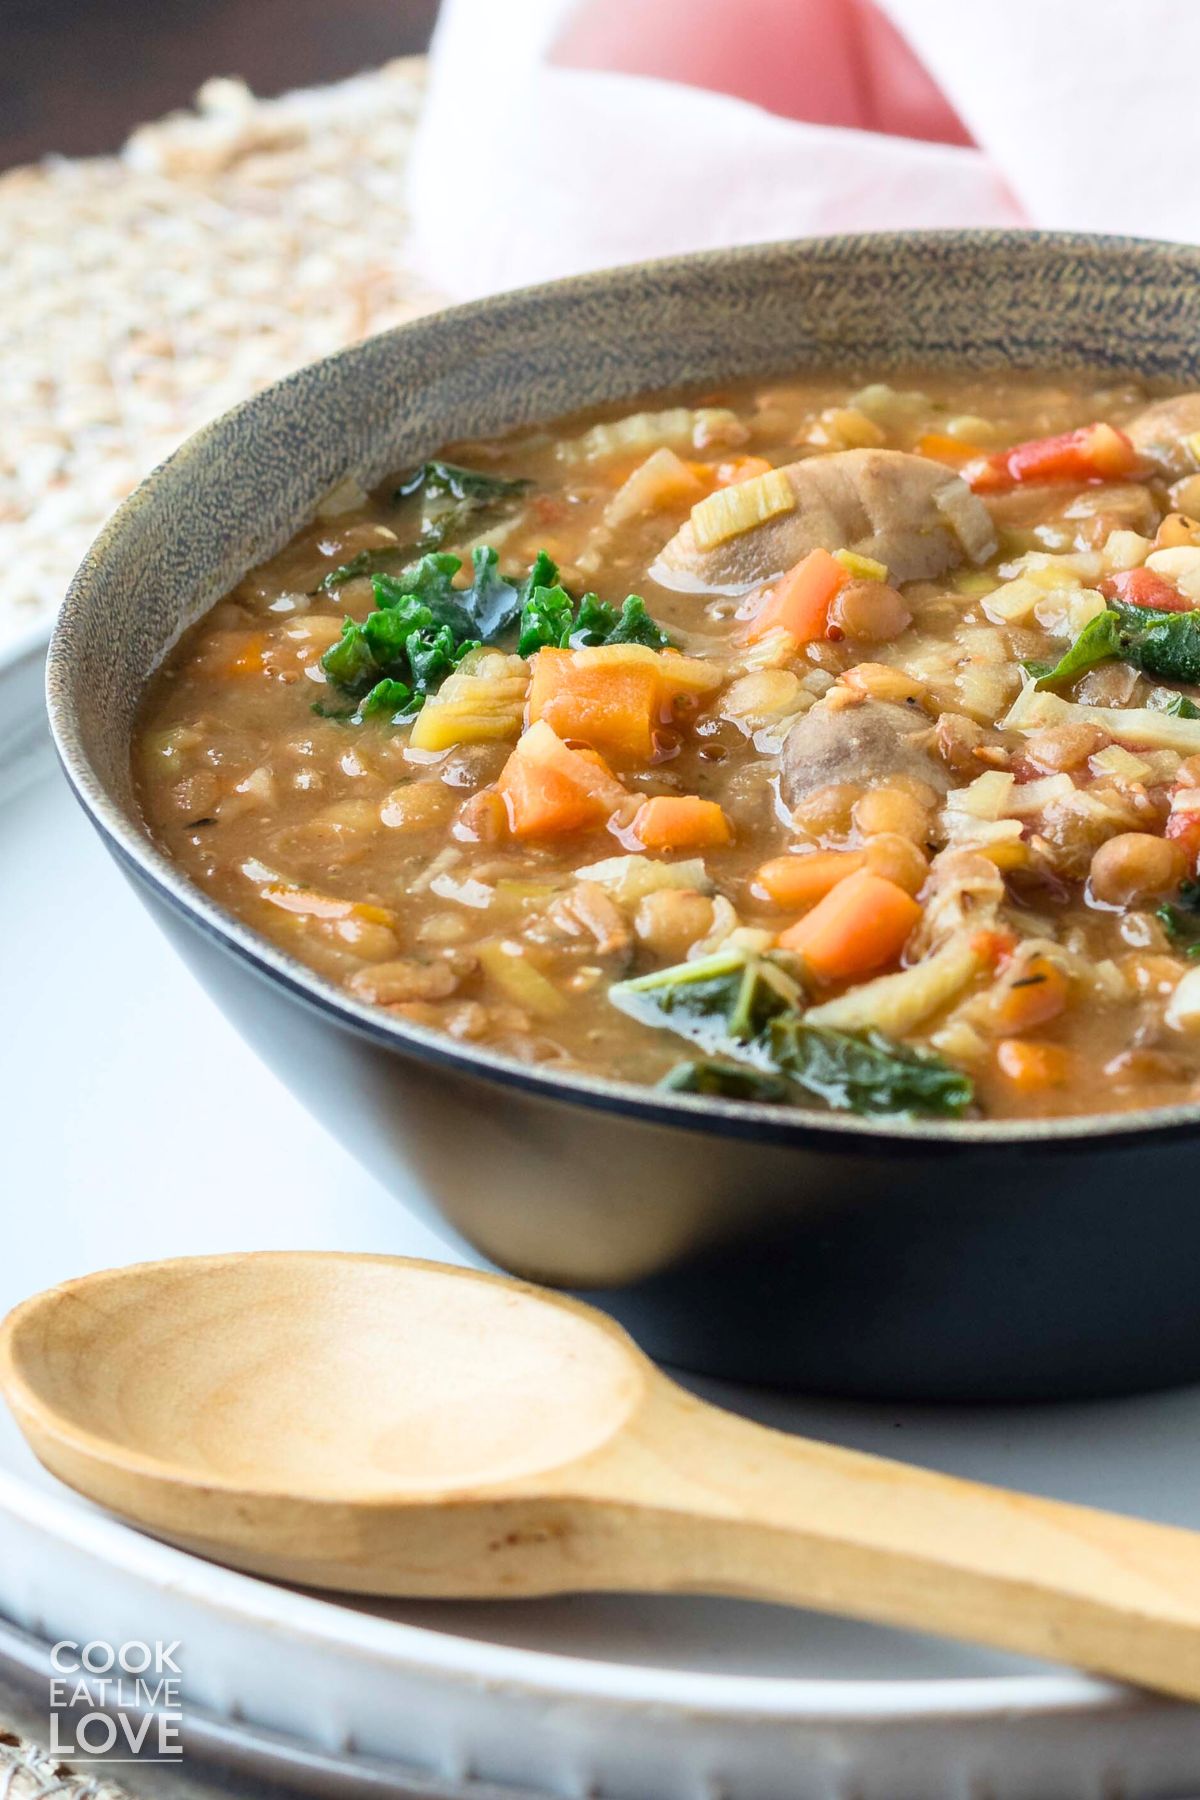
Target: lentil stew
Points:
(816, 742)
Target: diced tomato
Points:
(1093, 453)
(1183, 828)
(1143, 587)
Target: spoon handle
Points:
(755, 1513)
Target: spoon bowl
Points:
(383, 1426)
(346, 1377)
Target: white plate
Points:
(135, 1124)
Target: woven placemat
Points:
(145, 293)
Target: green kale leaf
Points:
(1177, 707)
(350, 664)
(1180, 918)
(390, 697)
(729, 1080)
(867, 1072)
(547, 620)
(550, 618)
(1165, 645)
(422, 625)
(1099, 640)
(743, 1012)
(722, 1002)
(453, 497)
(368, 562)
(599, 623)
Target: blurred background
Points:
(76, 76)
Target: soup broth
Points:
(823, 741)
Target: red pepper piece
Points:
(1143, 587)
(1093, 453)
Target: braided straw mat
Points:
(143, 294)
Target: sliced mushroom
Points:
(1160, 433)
(860, 744)
(908, 512)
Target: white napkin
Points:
(554, 142)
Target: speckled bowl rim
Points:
(139, 855)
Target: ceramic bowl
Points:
(920, 1259)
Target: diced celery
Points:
(732, 510)
(973, 584)
(863, 568)
(679, 428)
(508, 966)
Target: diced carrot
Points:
(1033, 992)
(610, 704)
(1031, 1066)
(799, 601)
(1143, 587)
(549, 789)
(248, 656)
(613, 696)
(939, 446)
(314, 905)
(680, 822)
(738, 468)
(862, 924)
(994, 946)
(793, 882)
(1093, 453)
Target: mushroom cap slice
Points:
(1160, 431)
(908, 512)
(872, 742)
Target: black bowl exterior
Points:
(920, 1260)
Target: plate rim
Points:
(530, 1673)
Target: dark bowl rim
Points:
(140, 857)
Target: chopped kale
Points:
(599, 623)
(493, 603)
(743, 1011)
(453, 497)
(723, 1002)
(349, 663)
(547, 620)
(868, 1072)
(1099, 640)
(368, 562)
(729, 1080)
(431, 657)
(441, 482)
(550, 618)
(387, 696)
(484, 610)
(1165, 645)
(423, 625)
(1177, 707)
(421, 628)
(1180, 918)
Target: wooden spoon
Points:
(392, 1427)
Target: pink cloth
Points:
(831, 62)
(563, 135)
